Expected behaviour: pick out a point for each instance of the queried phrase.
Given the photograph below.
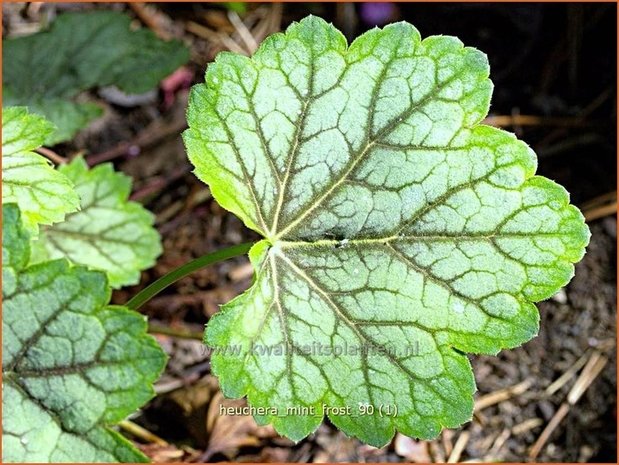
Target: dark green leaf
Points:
(81, 51)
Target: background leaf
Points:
(69, 117)
(109, 232)
(71, 365)
(43, 194)
(97, 49)
(397, 229)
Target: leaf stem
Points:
(155, 288)
(142, 433)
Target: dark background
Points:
(554, 70)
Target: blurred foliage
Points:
(45, 71)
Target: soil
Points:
(555, 61)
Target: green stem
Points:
(155, 288)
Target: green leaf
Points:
(43, 194)
(78, 52)
(109, 232)
(237, 7)
(400, 233)
(72, 366)
(69, 117)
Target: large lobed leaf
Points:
(71, 364)
(398, 230)
(43, 194)
(109, 232)
(78, 52)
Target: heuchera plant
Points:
(72, 365)
(399, 234)
(391, 219)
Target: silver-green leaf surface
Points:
(43, 194)
(109, 232)
(399, 232)
(72, 365)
